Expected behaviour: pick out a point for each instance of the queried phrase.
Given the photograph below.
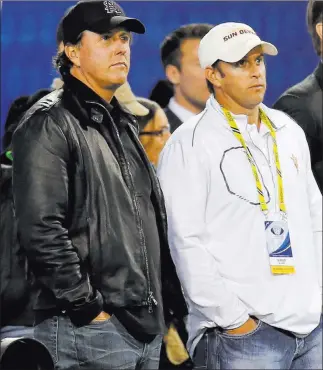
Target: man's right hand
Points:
(102, 316)
(246, 328)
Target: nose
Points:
(121, 47)
(256, 70)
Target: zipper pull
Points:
(151, 302)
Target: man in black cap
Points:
(89, 208)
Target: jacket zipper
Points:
(150, 301)
(269, 165)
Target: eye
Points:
(260, 59)
(240, 63)
(105, 37)
(125, 37)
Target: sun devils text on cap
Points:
(233, 34)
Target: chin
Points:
(257, 100)
(251, 104)
(118, 80)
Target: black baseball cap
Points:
(96, 16)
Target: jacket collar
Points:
(318, 73)
(241, 119)
(92, 106)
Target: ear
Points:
(60, 47)
(319, 30)
(173, 74)
(214, 76)
(73, 54)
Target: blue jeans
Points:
(16, 332)
(100, 345)
(264, 348)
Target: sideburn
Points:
(216, 66)
(220, 71)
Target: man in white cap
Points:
(245, 218)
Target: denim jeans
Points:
(99, 345)
(264, 348)
(16, 332)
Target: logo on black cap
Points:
(111, 7)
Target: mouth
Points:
(259, 86)
(120, 64)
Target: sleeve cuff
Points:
(238, 323)
(84, 314)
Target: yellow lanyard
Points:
(238, 135)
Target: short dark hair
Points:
(170, 47)
(61, 62)
(162, 92)
(314, 16)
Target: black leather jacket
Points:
(304, 103)
(77, 212)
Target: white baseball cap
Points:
(230, 42)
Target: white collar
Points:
(242, 119)
(182, 113)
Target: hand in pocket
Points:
(249, 326)
(102, 316)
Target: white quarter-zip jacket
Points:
(216, 227)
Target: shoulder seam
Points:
(193, 136)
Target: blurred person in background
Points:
(183, 71)
(126, 97)
(304, 101)
(152, 121)
(153, 129)
(89, 208)
(161, 93)
(244, 218)
(16, 319)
